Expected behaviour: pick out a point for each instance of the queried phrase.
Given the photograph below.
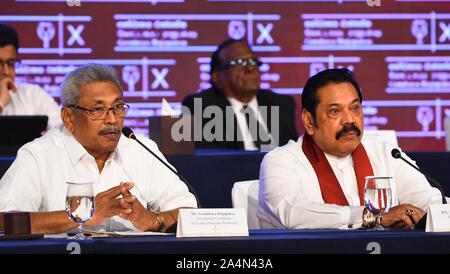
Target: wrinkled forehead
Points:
(100, 93)
(337, 94)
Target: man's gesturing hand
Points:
(109, 204)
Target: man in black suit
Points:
(260, 119)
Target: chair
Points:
(244, 194)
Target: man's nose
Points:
(348, 117)
(110, 117)
(251, 67)
(5, 69)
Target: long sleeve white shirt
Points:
(36, 181)
(33, 100)
(290, 196)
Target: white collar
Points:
(340, 162)
(237, 105)
(76, 151)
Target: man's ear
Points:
(308, 122)
(67, 118)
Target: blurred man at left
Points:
(90, 147)
(21, 99)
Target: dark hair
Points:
(310, 99)
(216, 62)
(8, 36)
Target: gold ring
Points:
(410, 212)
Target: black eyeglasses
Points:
(11, 63)
(100, 113)
(242, 62)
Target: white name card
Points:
(212, 222)
(438, 218)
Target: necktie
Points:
(259, 135)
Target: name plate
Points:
(212, 222)
(438, 218)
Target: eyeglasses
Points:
(100, 113)
(242, 62)
(11, 63)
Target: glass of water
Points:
(378, 197)
(80, 205)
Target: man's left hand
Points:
(139, 216)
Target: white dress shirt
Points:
(242, 123)
(290, 196)
(33, 100)
(36, 181)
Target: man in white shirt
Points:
(21, 99)
(318, 181)
(90, 147)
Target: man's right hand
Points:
(6, 84)
(401, 216)
(108, 204)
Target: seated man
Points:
(235, 81)
(90, 147)
(318, 181)
(21, 99)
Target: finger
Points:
(130, 199)
(408, 222)
(388, 221)
(126, 189)
(415, 217)
(124, 204)
(126, 211)
(400, 225)
(10, 84)
(415, 213)
(125, 216)
(420, 211)
(112, 192)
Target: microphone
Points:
(421, 224)
(128, 132)
(398, 155)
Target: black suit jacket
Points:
(213, 97)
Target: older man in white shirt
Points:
(21, 99)
(90, 147)
(318, 181)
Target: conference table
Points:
(261, 241)
(212, 173)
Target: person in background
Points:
(21, 98)
(235, 80)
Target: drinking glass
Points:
(378, 197)
(80, 205)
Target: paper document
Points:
(99, 234)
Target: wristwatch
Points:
(160, 220)
(369, 219)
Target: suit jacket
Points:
(214, 97)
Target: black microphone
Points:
(398, 155)
(128, 132)
(421, 224)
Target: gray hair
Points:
(84, 75)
